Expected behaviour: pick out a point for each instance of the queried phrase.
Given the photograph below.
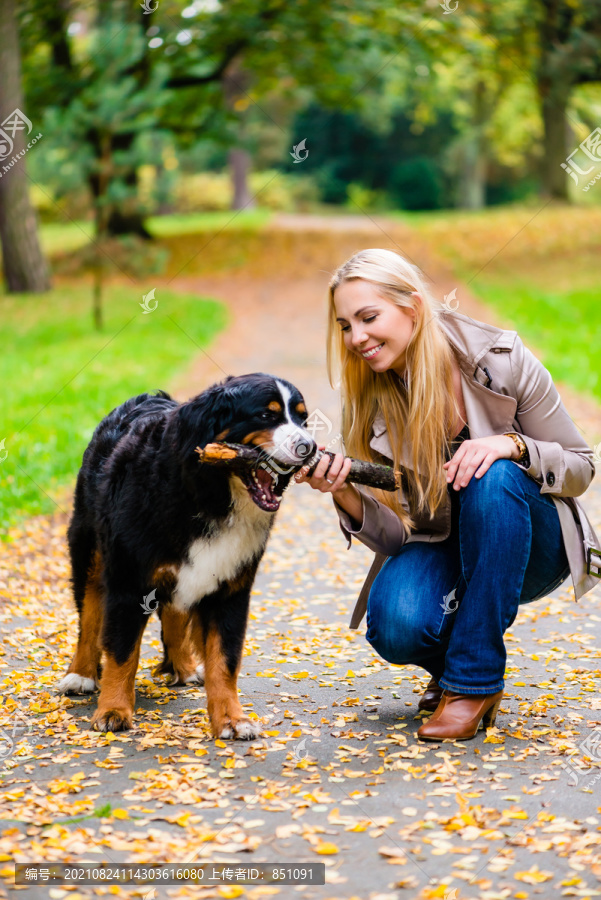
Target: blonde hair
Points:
(420, 409)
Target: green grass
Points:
(60, 377)
(565, 325)
(196, 223)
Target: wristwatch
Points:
(521, 445)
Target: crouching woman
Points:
(491, 465)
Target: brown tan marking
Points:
(86, 661)
(222, 435)
(274, 406)
(164, 577)
(301, 408)
(221, 686)
(180, 660)
(258, 437)
(243, 578)
(117, 693)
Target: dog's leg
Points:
(83, 675)
(124, 625)
(220, 625)
(180, 660)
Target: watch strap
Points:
(521, 445)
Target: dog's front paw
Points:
(73, 683)
(112, 720)
(240, 730)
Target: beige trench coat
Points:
(505, 388)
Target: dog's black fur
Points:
(143, 502)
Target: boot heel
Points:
(488, 719)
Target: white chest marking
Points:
(220, 557)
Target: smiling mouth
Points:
(373, 351)
(260, 485)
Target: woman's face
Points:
(374, 328)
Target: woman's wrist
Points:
(350, 500)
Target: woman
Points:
(491, 463)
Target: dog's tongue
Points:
(266, 481)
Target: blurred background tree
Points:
(190, 105)
(25, 268)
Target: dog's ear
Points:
(204, 417)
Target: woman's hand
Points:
(336, 473)
(478, 454)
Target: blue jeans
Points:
(445, 606)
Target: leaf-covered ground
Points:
(339, 776)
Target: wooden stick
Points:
(229, 455)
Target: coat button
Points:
(550, 479)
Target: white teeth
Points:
(372, 352)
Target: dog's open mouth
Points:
(260, 484)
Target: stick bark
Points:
(231, 455)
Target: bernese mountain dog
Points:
(153, 527)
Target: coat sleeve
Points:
(560, 459)
(381, 529)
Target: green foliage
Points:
(417, 184)
(134, 88)
(344, 150)
(63, 378)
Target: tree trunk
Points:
(125, 218)
(474, 163)
(472, 190)
(24, 265)
(236, 83)
(239, 161)
(555, 75)
(553, 175)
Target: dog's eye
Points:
(268, 414)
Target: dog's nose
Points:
(304, 446)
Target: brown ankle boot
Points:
(458, 716)
(430, 699)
